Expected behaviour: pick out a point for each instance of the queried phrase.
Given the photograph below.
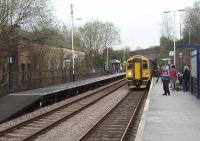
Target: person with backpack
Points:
(166, 79)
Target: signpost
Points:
(171, 53)
(67, 60)
(198, 73)
(9, 62)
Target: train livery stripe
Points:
(137, 70)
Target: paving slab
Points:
(64, 86)
(169, 118)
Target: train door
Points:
(137, 70)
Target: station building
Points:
(30, 61)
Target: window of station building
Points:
(23, 72)
(23, 67)
(29, 67)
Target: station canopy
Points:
(115, 61)
(189, 46)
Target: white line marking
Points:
(140, 130)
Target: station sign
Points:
(171, 53)
(75, 56)
(194, 53)
(67, 59)
(193, 61)
(180, 54)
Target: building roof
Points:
(115, 61)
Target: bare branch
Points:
(96, 36)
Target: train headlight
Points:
(129, 73)
(144, 73)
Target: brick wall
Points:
(34, 66)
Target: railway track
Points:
(114, 126)
(30, 129)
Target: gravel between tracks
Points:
(42, 110)
(75, 127)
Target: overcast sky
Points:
(138, 20)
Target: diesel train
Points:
(138, 71)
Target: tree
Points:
(48, 34)
(95, 36)
(166, 40)
(166, 26)
(165, 46)
(15, 15)
(192, 22)
(119, 54)
(21, 12)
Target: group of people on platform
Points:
(170, 75)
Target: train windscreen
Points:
(130, 66)
(145, 66)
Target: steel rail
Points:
(10, 130)
(64, 119)
(49, 112)
(99, 122)
(91, 130)
(132, 117)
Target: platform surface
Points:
(169, 118)
(65, 86)
(13, 103)
(10, 105)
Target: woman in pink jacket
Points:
(173, 75)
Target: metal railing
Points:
(20, 81)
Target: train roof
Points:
(138, 56)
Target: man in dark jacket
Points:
(186, 78)
(159, 72)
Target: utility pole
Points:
(72, 37)
(107, 61)
(174, 40)
(174, 12)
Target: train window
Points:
(130, 66)
(145, 66)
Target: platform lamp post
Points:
(181, 53)
(65, 70)
(107, 59)
(189, 35)
(180, 10)
(72, 40)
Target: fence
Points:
(19, 81)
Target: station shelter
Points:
(116, 66)
(194, 67)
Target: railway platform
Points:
(169, 118)
(15, 104)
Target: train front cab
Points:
(138, 72)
